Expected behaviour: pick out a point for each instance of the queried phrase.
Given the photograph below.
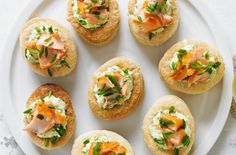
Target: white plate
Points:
(210, 110)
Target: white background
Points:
(225, 13)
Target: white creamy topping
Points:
(156, 133)
(36, 33)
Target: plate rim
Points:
(34, 4)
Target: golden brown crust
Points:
(164, 103)
(131, 103)
(78, 144)
(71, 57)
(102, 35)
(161, 37)
(164, 69)
(59, 92)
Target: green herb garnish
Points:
(46, 142)
(50, 93)
(194, 66)
(54, 139)
(97, 148)
(51, 43)
(41, 99)
(44, 28)
(165, 123)
(86, 141)
(171, 109)
(46, 52)
(102, 7)
(28, 111)
(160, 141)
(186, 140)
(82, 22)
(49, 72)
(53, 58)
(51, 107)
(206, 54)
(48, 38)
(166, 134)
(60, 130)
(38, 29)
(151, 35)
(112, 79)
(41, 52)
(96, 13)
(176, 151)
(50, 30)
(39, 116)
(174, 65)
(140, 19)
(64, 62)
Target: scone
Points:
(49, 117)
(48, 47)
(116, 89)
(169, 127)
(191, 67)
(153, 22)
(101, 142)
(96, 21)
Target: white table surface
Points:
(224, 12)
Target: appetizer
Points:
(191, 67)
(101, 142)
(96, 21)
(169, 127)
(48, 47)
(153, 22)
(49, 117)
(116, 89)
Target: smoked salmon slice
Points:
(44, 118)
